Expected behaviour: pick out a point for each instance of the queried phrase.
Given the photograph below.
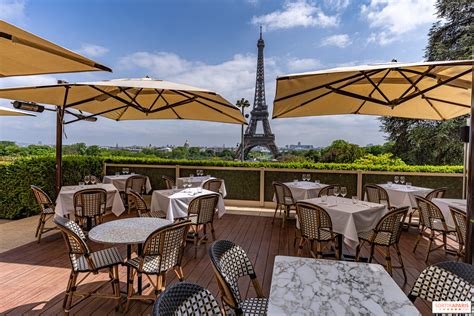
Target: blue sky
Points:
(212, 44)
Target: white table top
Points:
(307, 286)
(401, 195)
(444, 205)
(126, 231)
(120, 180)
(349, 218)
(198, 182)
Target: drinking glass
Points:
(117, 173)
(389, 183)
(396, 179)
(81, 184)
(308, 177)
(93, 179)
(174, 187)
(343, 191)
(336, 192)
(295, 181)
(303, 177)
(317, 182)
(402, 179)
(408, 184)
(324, 198)
(355, 199)
(87, 179)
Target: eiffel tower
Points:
(259, 113)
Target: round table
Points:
(129, 231)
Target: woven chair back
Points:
(136, 202)
(283, 193)
(213, 185)
(376, 194)
(391, 225)
(42, 198)
(460, 222)
(75, 239)
(436, 194)
(186, 298)
(430, 213)
(327, 190)
(90, 202)
(204, 207)
(313, 220)
(167, 244)
(136, 183)
(169, 182)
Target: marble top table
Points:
(302, 190)
(444, 205)
(126, 231)
(306, 286)
(175, 202)
(65, 199)
(401, 195)
(348, 218)
(119, 181)
(198, 182)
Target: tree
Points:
(423, 142)
(342, 152)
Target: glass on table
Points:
(389, 183)
(324, 198)
(343, 191)
(295, 181)
(87, 179)
(81, 184)
(396, 179)
(355, 199)
(93, 179)
(402, 179)
(317, 182)
(117, 173)
(408, 185)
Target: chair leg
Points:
(338, 251)
(418, 238)
(388, 260)
(357, 252)
(372, 249)
(399, 254)
(68, 289)
(179, 273)
(319, 253)
(41, 228)
(213, 233)
(72, 289)
(130, 289)
(196, 241)
(39, 224)
(311, 249)
(429, 246)
(445, 243)
(300, 247)
(275, 213)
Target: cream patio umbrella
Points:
(4, 111)
(23, 53)
(438, 90)
(126, 99)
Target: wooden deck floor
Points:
(33, 277)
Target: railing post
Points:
(359, 184)
(177, 172)
(104, 169)
(262, 187)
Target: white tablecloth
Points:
(198, 181)
(120, 180)
(400, 195)
(303, 190)
(349, 218)
(444, 205)
(65, 203)
(175, 202)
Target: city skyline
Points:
(213, 45)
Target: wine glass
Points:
(402, 179)
(87, 179)
(343, 192)
(308, 177)
(336, 192)
(396, 179)
(93, 179)
(318, 182)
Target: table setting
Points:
(402, 193)
(119, 181)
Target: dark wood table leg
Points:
(88, 223)
(139, 252)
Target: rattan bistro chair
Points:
(186, 299)
(386, 234)
(315, 225)
(168, 181)
(85, 261)
(90, 204)
(46, 211)
(432, 219)
(284, 200)
(230, 263)
(460, 223)
(327, 190)
(213, 185)
(376, 194)
(201, 212)
(162, 251)
(136, 203)
(436, 193)
(445, 281)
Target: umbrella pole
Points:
(59, 141)
(470, 190)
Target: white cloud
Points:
(295, 14)
(339, 40)
(394, 18)
(160, 64)
(12, 11)
(92, 50)
(337, 5)
(25, 81)
(303, 64)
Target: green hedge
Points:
(16, 200)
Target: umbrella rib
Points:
(117, 98)
(134, 98)
(413, 84)
(376, 87)
(170, 106)
(440, 83)
(96, 114)
(438, 77)
(159, 93)
(448, 102)
(183, 93)
(373, 90)
(219, 111)
(85, 100)
(358, 96)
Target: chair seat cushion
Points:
(382, 238)
(254, 306)
(154, 214)
(102, 259)
(48, 211)
(151, 265)
(438, 225)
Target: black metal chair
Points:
(445, 281)
(46, 211)
(230, 263)
(186, 298)
(84, 261)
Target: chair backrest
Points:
(230, 263)
(313, 220)
(75, 241)
(436, 194)
(429, 213)
(136, 203)
(204, 207)
(136, 183)
(391, 225)
(186, 298)
(327, 190)
(445, 281)
(169, 182)
(167, 244)
(90, 202)
(460, 222)
(213, 185)
(376, 194)
(283, 193)
(42, 198)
